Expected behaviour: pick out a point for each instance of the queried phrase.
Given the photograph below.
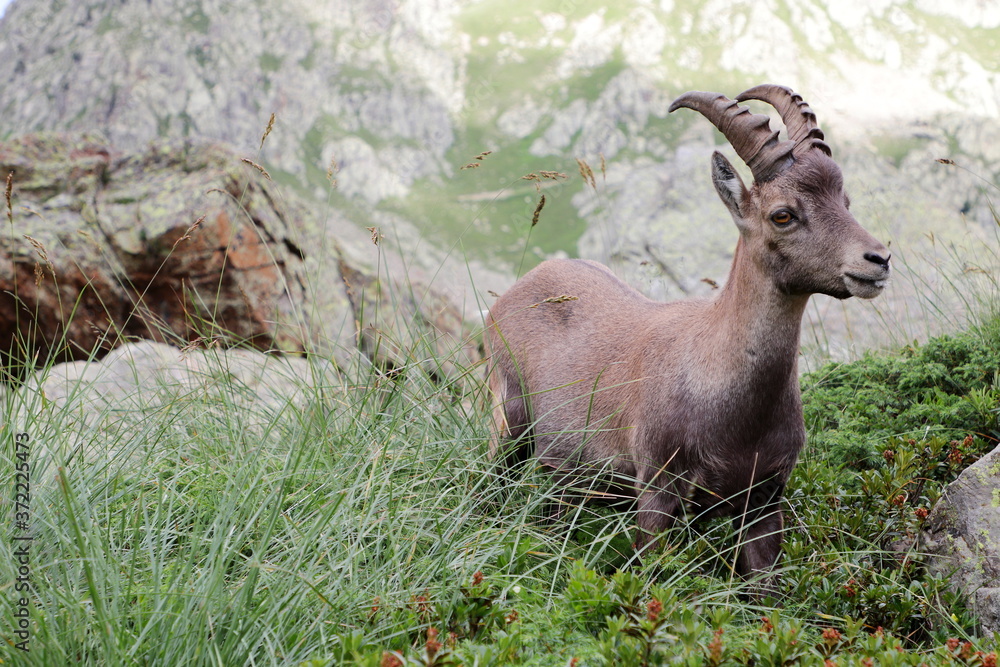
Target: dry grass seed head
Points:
(7, 196)
(195, 225)
(257, 167)
(267, 130)
(246, 300)
(562, 298)
(376, 236)
(478, 158)
(332, 169)
(587, 173)
(542, 176)
(39, 248)
(206, 342)
(538, 211)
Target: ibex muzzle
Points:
(695, 402)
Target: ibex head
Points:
(794, 220)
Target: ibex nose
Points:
(875, 258)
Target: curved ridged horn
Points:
(750, 134)
(799, 119)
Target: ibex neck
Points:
(761, 324)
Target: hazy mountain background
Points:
(390, 99)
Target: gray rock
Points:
(988, 608)
(963, 537)
(176, 242)
(182, 242)
(89, 413)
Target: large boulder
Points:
(173, 243)
(963, 537)
(146, 375)
(182, 242)
(112, 411)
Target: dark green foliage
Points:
(948, 387)
(887, 433)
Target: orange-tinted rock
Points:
(178, 242)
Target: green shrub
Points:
(949, 387)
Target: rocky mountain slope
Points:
(218, 69)
(390, 98)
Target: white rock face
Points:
(404, 73)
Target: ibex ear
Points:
(728, 184)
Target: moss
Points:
(270, 62)
(189, 127)
(162, 125)
(896, 147)
(197, 20)
(308, 62)
(200, 55)
(107, 24)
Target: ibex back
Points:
(696, 402)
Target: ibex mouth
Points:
(864, 287)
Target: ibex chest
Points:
(728, 429)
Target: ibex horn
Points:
(799, 119)
(751, 135)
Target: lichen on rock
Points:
(181, 242)
(963, 538)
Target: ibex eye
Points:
(781, 217)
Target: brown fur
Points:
(695, 403)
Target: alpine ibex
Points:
(696, 402)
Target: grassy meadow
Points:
(364, 524)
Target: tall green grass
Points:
(204, 530)
(195, 527)
(192, 526)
